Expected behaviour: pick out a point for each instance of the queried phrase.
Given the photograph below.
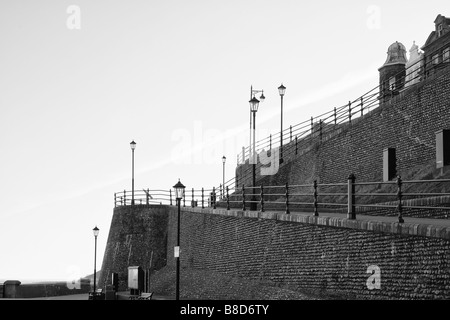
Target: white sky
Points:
(71, 101)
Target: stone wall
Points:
(302, 253)
(315, 255)
(407, 122)
(137, 237)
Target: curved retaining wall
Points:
(137, 237)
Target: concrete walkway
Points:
(387, 219)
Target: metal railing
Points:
(301, 137)
(346, 198)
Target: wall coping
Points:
(439, 229)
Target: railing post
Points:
(351, 197)
(262, 198)
(192, 204)
(349, 111)
(296, 145)
(270, 142)
(243, 154)
(170, 191)
(124, 198)
(184, 200)
(148, 196)
(214, 198)
(335, 116)
(203, 198)
(312, 128)
(115, 200)
(316, 212)
(362, 105)
(287, 199)
(320, 130)
(399, 195)
(243, 197)
(220, 191)
(228, 199)
(290, 133)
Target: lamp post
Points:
(281, 90)
(254, 104)
(261, 98)
(96, 231)
(224, 159)
(179, 194)
(133, 146)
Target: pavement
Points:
(390, 219)
(85, 296)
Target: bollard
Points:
(399, 195)
(351, 197)
(316, 212)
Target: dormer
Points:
(441, 25)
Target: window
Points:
(435, 59)
(440, 30)
(446, 55)
(392, 83)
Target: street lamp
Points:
(224, 159)
(179, 194)
(133, 146)
(281, 90)
(261, 98)
(254, 104)
(96, 231)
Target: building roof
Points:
(396, 54)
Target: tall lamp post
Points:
(224, 159)
(179, 194)
(254, 104)
(261, 98)
(96, 231)
(281, 90)
(133, 146)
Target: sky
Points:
(79, 80)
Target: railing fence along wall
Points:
(300, 137)
(328, 197)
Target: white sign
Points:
(176, 252)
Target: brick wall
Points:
(408, 122)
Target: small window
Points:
(392, 83)
(446, 55)
(435, 59)
(440, 30)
